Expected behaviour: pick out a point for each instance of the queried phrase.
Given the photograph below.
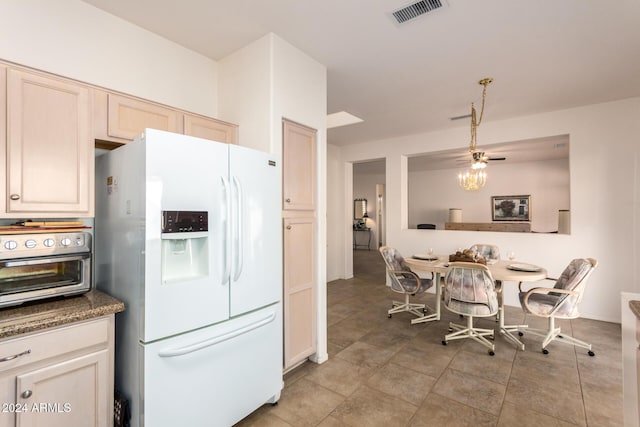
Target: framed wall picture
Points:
(511, 208)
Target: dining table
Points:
(511, 271)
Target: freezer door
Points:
(215, 376)
(256, 243)
(186, 286)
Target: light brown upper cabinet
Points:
(120, 118)
(48, 147)
(128, 117)
(215, 130)
(298, 167)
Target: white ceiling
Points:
(544, 55)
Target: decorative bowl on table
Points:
(467, 255)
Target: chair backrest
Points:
(469, 289)
(395, 262)
(486, 251)
(573, 278)
(426, 226)
(393, 259)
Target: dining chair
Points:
(406, 282)
(560, 302)
(469, 290)
(491, 253)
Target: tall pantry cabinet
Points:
(299, 230)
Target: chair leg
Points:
(426, 317)
(417, 309)
(554, 333)
(468, 331)
(399, 307)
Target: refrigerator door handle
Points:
(225, 238)
(181, 351)
(238, 238)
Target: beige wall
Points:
(336, 234)
(77, 40)
(261, 84)
(432, 193)
(246, 92)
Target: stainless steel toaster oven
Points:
(42, 265)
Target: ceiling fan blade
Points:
(496, 158)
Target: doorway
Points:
(369, 179)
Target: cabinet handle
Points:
(14, 197)
(286, 200)
(15, 356)
(26, 394)
(288, 227)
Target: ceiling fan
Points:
(476, 177)
(480, 157)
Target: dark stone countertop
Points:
(38, 315)
(635, 307)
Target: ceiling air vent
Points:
(414, 10)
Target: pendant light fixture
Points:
(476, 177)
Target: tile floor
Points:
(387, 372)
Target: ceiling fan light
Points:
(478, 165)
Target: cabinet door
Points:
(214, 130)
(3, 139)
(298, 167)
(69, 393)
(128, 117)
(49, 148)
(299, 290)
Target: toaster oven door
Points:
(28, 279)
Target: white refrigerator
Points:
(188, 235)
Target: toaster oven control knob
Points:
(49, 242)
(65, 242)
(10, 244)
(30, 244)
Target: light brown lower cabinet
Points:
(59, 377)
(300, 289)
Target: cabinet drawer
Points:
(50, 343)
